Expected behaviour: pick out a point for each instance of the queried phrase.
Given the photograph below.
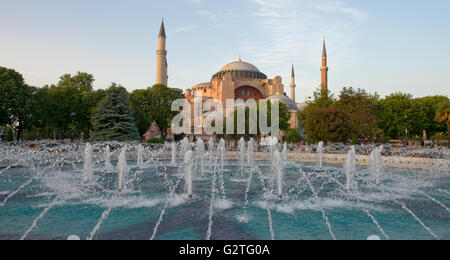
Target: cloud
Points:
(183, 29)
(195, 1)
(292, 30)
(207, 14)
(339, 7)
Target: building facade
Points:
(241, 80)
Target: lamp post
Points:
(73, 125)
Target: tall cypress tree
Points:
(113, 119)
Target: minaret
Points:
(293, 84)
(161, 57)
(324, 70)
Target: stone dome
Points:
(240, 66)
(291, 106)
(240, 69)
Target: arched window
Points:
(248, 92)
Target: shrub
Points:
(156, 141)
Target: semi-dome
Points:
(240, 66)
(291, 106)
(240, 69)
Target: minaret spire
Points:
(324, 71)
(162, 31)
(293, 84)
(161, 57)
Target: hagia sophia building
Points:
(241, 80)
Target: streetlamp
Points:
(73, 125)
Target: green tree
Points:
(443, 115)
(67, 105)
(361, 109)
(293, 136)
(428, 108)
(90, 101)
(113, 120)
(284, 117)
(398, 112)
(156, 104)
(63, 102)
(141, 119)
(82, 100)
(320, 101)
(42, 114)
(17, 100)
(4, 113)
(328, 124)
(82, 81)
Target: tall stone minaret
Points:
(161, 57)
(293, 84)
(324, 70)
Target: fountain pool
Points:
(48, 198)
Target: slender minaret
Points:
(293, 84)
(161, 57)
(324, 70)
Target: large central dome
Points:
(240, 66)
(240, 69)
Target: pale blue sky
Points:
(384, 46)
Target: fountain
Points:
(319, 154)
(376, 164)
(250, 151)
(174, 153)
(272, 142)
(242, 154)
(200, 151)
(221, 148)
(123, 169)
(140, 158)
(285, 152)
(350, 169)
(211, 145)
(108, 165)
(278, 167)
(185, 146)
(402, 195)
(188, 170)
(88, 169)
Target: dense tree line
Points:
(73, 109)
(356, 116)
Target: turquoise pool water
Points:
(51, 203)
